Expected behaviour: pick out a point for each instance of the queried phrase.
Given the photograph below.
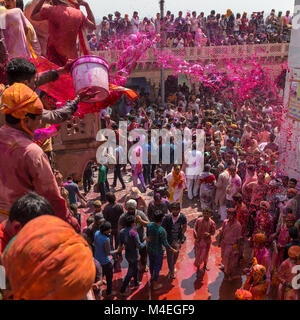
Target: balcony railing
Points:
(274, 50)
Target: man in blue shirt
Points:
(131, 240)
(102, 253)
(73, 190)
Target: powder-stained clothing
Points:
(5, 237)
(138, 227)
(130, 238)
(41, 27)
(203, 243)
(242, 216)
(25, 167)
(14, 34)
(158, 239)
(230, 236)
(64, 25)
(284, 275)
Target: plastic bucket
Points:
(91, 72)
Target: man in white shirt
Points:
(157, 23)
(179, 42)
(194, 167)
(194, 23)
(135, 22)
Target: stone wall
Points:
(75, 145)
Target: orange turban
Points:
(242, 294)
(259, 269)
(48, 260)
(260, 238)
(228, 13)
(294, 252)
(18, 100)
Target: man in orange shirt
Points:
(65, 23)
(23, 164)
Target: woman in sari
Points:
(177, 183)
(207, 183)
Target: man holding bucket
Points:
(66, 22)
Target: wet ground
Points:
(186, 286)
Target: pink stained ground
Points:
(186, 286)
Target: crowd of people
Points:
(239, 183)
(234, 178)
(193, 30)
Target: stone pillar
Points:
(289, 138)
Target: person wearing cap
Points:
(65, 23)
(136, 195)
(141, 221)
(229, 239)
(25, 168)
(286, 275)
